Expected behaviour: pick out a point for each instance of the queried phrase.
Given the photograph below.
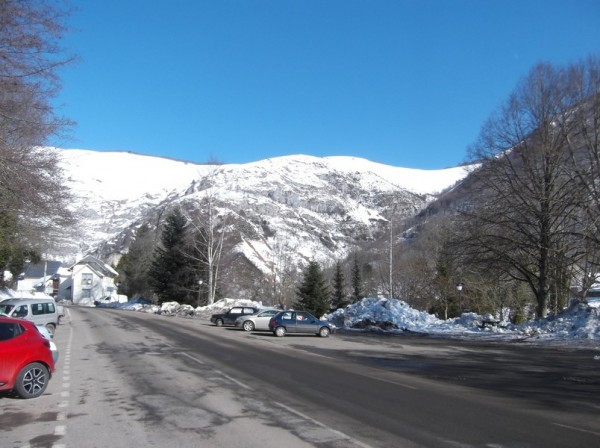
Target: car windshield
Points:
(6, 308)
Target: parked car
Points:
(300, 322)
(232, 314)
(53, 348)
(60, 308)
(258, 321)
(26, 363)
(39, 311)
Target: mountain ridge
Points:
(309, 207)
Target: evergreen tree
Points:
(339, 299)
(357, 292)
(133, 267)
(169, 272)
(313, 293)
(13, 252)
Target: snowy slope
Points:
(314, 207)
(128, 176)
(118, 176)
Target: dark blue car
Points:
(299, 322)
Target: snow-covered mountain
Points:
(306, 207)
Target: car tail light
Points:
(46, 342)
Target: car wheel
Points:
(219, 322)
(32, 380)
(248, 325)
(279, 332)
(324, 332)
(51, 328)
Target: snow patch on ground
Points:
(576, 324)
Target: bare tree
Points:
(284, 270)
(32, 196)
(522, 215)
(581, 131)
(209, 232)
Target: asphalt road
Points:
(127, 379)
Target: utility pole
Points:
(393, 212)
(199, 291)
(391, 257)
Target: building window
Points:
(86, 279)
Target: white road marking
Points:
(574, 428)
(233, 380)
(334, 431)
(61, 430)
(223, 374)
(189, 356)
(396, 383)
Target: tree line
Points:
(522, 234)
(177, 268)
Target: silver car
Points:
(256, 322)
(39, 311)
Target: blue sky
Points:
(408, 83)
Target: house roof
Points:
(36, 270)
(79, 267)
(97, 265)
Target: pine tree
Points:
(134, 265)
(313, 293)
(339, 299)
(168, 273)
(357, 292)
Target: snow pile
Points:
(578, 322)
(392, 314)
(382, 313)
(7, 293)
(225, 304)
(221, 306)
(179, 310)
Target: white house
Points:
(43, 277)
(91, 281)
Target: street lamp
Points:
(459, 288)
(199, 291)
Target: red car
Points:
(26, 363)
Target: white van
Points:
(40, 311)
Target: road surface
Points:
(127, 379)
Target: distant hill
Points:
(309, 207)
